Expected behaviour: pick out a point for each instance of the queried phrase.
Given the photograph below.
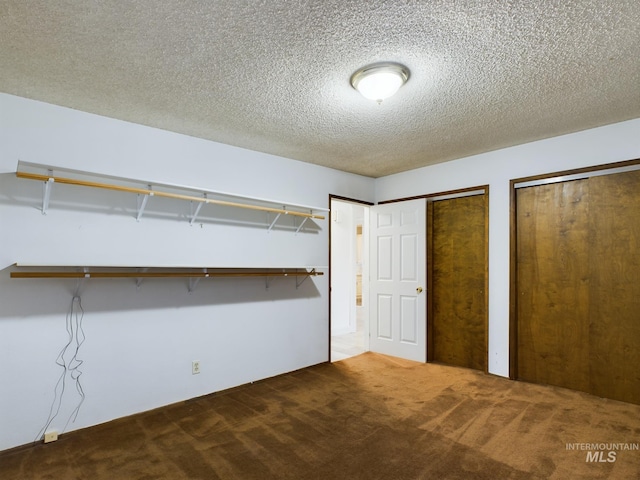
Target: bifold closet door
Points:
(578, 279)
(457, 268)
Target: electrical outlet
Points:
(51, 436)
(195, 367)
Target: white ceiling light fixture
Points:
(380, 80)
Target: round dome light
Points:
(380, 81)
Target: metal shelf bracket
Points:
(274, 222)
(46, 192)
(194, 215)
(139, 279)
(142, 203)
(300, 282)
(301, 224)
(193, 282)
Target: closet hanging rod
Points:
(159, 193)
(264, 273)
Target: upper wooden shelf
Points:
(51, 175)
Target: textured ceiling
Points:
(273, 75)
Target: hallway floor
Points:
(349, 344)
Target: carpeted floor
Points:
(367, 417)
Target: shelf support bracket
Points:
(142, 203)
(139, 279)
(193, 282)
(298, 283)
(194, 215)
(301, 224)
(46, 192)
(273, 223)
(80, 284)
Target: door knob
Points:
(419, 290)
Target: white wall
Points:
(140, 342)
(603, 145)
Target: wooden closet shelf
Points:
(160, 193)
(205, 273)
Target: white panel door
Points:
(398, 306)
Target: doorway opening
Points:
(349, 335)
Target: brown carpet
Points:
(368, 417)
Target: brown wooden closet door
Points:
(615, 286)
(578, 279)
(553, 284)
(458, 263)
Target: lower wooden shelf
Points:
(144, 272)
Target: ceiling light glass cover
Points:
(380, 80)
